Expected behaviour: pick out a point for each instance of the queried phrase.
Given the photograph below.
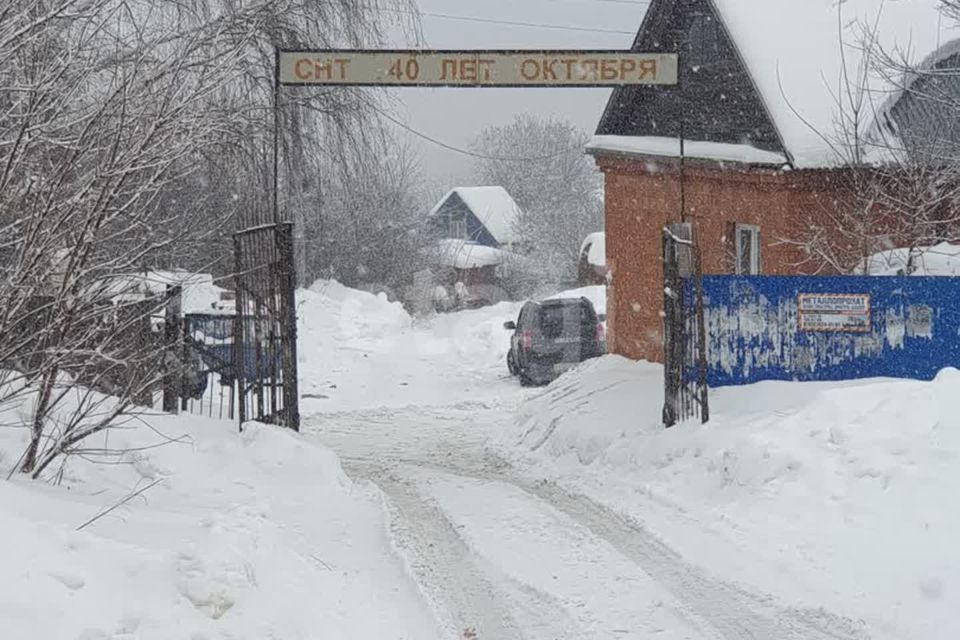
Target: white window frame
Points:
(458, 228)
(754, 231)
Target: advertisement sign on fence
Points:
(834, 312)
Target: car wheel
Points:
(511, 364)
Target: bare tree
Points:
(898, 177)
(368, 231)
(133, 135)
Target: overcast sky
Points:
(456, 115)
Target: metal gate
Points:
(208, 386)
(686, 394)
(265, 326)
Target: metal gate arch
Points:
(265, 326)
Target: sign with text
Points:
(410, 68)
(834, 312)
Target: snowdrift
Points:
(244, 536)
(332, 310)
(838, 490)
(360, 351)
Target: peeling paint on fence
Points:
(754, 328)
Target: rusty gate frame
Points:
(265, 326)
(686, 394)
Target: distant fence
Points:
(828, 328)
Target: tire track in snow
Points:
(732, 611)
(465, 592)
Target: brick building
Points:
(747, 147)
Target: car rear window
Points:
(569, 319)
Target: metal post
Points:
(276, 135)
(239, 332)
(703, 388)
(172, 375)
(670, 320)
(288, 335)
(683, 132)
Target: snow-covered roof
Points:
(939, 260)
(493, 207)
(596, 294)
(798, 54)
(793, 50)
(200, 294)
(598, 249)
(670, 148)
(461, 254)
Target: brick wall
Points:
(642, 197)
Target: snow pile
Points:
(939, 260)
(809, 491)
(477, 336)
(358, 350)
(247, 536)
(328, 311)
(582, 413)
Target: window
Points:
(703, 41)
(458, 228)
(748, 249)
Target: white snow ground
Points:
(824, 495)
(477, 508)
(245, 537)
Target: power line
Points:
(629, 2)
(467, 152)
(514, 23)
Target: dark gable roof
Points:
(717, 100)
(768, 75)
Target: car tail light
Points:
(526, 339)
(601, 332)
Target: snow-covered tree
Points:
(542, 164)
(368, 230)
(136, 134)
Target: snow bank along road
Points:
(497, 553)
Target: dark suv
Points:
(553, 336)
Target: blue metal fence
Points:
(828, 328)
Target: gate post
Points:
(288, 324)
(172, 333)
(239, 331)
(677, 258)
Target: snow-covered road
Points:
(500, 552)
(506, 555)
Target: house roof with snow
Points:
(763, 81)
(461, 254)
(492, 208)
(595, 247)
